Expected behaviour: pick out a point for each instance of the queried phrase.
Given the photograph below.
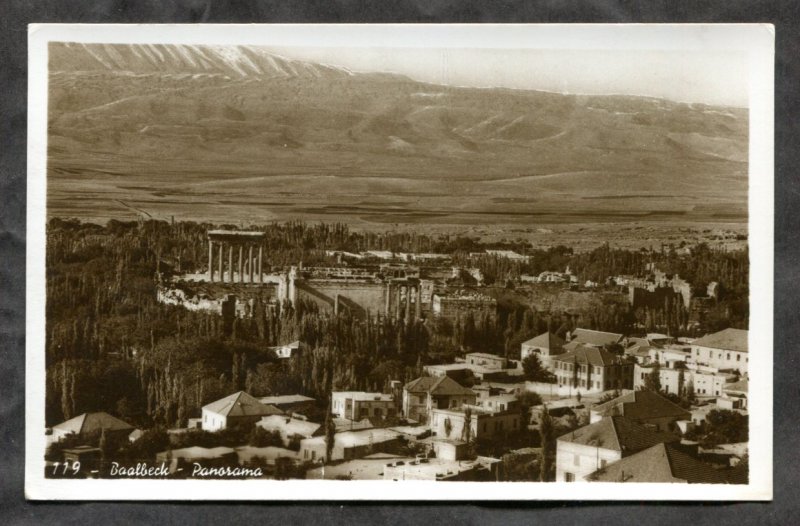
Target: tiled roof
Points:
(546, 340)
(596, 338)
(659, 463)
(641, 405)
(443, 385)
(89, 422)
(727, 339)
(619, 434)
(241, 404)
(736, 387)
(583, 354)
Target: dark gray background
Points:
(16, 14)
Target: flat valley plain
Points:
(242, 136)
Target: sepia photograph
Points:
(400, 262)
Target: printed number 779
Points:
(76, 466)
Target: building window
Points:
(576, 460)
(569, 477)
(603, 463)
(728, 356)
(738, 357)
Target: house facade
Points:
(452, 423)
(724, 350)
(424, 394)
(236, 409)
(356, 405)
(545, 345)
(590, 448)
(592, 370)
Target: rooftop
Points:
(596, 338)
(546, 340)
(248, 453)
(197, 452)
(727, 339)
(617, 433)
(364, 396)
(583, 354)
(289, 426)
(241, 404)
(641, 405)
(659, 463)
(358, 438)
(90, 422)
(442, 386)
(285, 399)
(486, 355)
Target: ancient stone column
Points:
(241, 277)
(336, 304)
(260, 261)
(230, 263)
(221, 259)
(417, 303)
(388, 297)
(250, 261)
(397, 292)
(408, 302)
(210, 260)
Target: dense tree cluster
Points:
(110, 346)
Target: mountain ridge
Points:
(180, 120)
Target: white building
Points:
(356, 405)
(581, 452)
(724, 350)
(238, 408)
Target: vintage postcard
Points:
(390, 262)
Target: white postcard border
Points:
(757, 40)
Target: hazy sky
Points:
(712, 77)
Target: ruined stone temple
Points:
(235, 279)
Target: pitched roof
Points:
(546, 340)
(443, 385)
(592, 355)
(659, 463)
(596, 338)
(89, 422)
(736, 387)
(642, 405)
(727, 339)
(241, 404)
(619, 434)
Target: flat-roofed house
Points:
(289, 427)
(590, 448)
(356, 405)
(665, 462)
(238, 408)
(643, 407)
(725, 350)
(348, 445)
(592, 370)
(452, 423)
(424, 394)
(490, 361)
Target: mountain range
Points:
(240, 133)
